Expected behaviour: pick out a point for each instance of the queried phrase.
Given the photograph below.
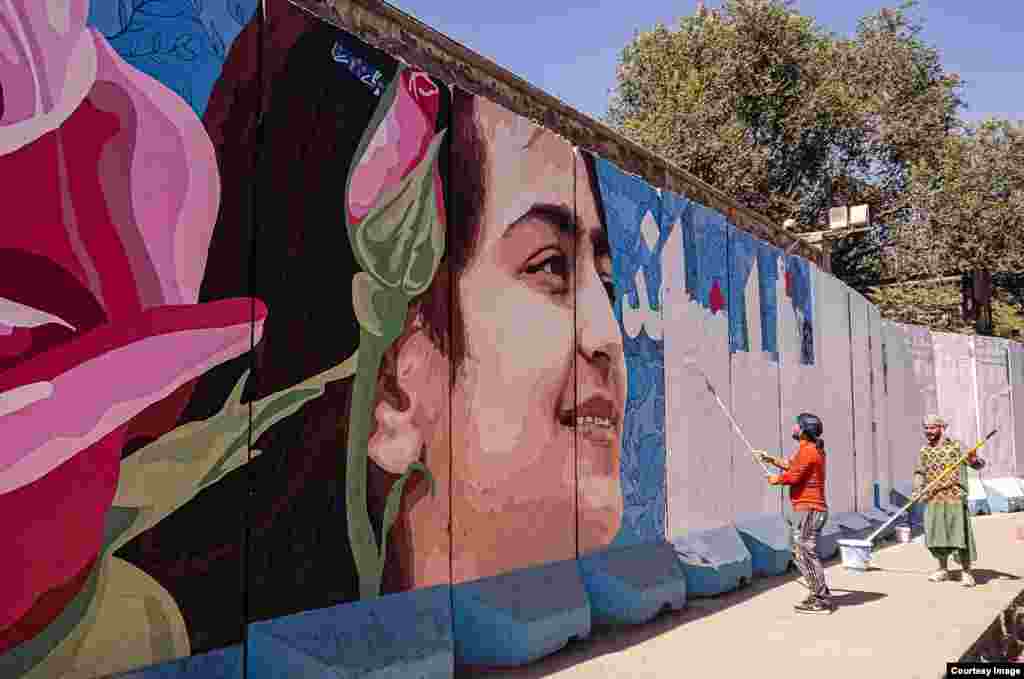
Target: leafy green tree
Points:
(786, 117)
(969, 204)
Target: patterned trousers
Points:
(806, 526)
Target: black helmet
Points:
(810, 425)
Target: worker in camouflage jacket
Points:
(947, 524)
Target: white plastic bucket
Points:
(903, 534)
(856, 554)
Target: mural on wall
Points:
(754, 372)
(802, 377)
(103, 348)
(513, 400)
(312, 537)
(287, 324)
(180, 43)
(633, 211)
(800, 290)
(771, 292)
(351, 499)
(352, 199)
(696, 332)
(754, 288)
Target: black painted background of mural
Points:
(280, 237)
(302, 269)
(197, 553)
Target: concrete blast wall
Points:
(331, 349)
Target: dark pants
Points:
(806, 527)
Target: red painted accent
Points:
(66, 253)
(49, 365)
(47, 607)
(716, 299)
(61, 530)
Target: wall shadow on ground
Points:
(606, 639)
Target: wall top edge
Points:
(389, 29)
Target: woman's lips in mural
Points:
(595, 420)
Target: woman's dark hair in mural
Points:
(280, 237)
(274, 533)
(465, 192)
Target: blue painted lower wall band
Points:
(768, 540)
(223, 663)
(714, 561)
(516, 618)
(900, 495)
(853, 525)
(828, 541)
(979, 506)
(631, 585)
(397, 635)
(1004, 494)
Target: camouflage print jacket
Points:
(933, 461)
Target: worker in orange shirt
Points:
(804, 473)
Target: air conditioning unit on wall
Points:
(849, 217)
(838, 217)
(859, 215)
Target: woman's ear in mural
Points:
(409, 404)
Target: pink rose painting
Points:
(396, 225)
(110, 192)
(397, 145)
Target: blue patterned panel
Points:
(801, 295)
(768, 270)
(637, 237)
(743, 253)
(705, 244)
(181, 43)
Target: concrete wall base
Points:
(715, 561)
(397, 635)
(631, 585)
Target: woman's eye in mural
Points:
(549, 270)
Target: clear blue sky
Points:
(569, 48)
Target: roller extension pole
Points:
(923, 491)
(725, 410)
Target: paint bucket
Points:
(903, 534)
(856, 554)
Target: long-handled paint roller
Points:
(693, 363)
(856, 554)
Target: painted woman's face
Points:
(537, 408)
